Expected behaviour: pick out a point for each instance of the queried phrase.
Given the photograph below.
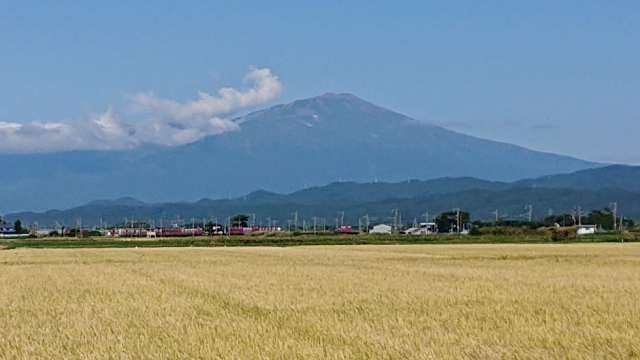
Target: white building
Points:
(586, 229)
(423, 229)
(381, 229)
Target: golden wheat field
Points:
(341, 302)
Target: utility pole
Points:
(295, 221)
(529, 212)
(78, 226)
(426, 217)
(395, 218)
(579, 216)
(457, 211)
(315, 223)
(497, 214)
(577, 212)
(614, 211)
(341, 213)
(621, 217)
(363, 227)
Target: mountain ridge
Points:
(314, 141)
(413, 198)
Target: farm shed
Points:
(381, 229)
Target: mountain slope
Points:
(306, 143)
(412, 198)
(479, 202)
(608, 177)
(346, 192)
(341, 137)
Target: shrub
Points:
(563, 234)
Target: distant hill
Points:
(124, 201)
(412, 199)
(352, 192)
(310, 142)
(480, 203)
(608, 177)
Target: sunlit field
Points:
(378, 302)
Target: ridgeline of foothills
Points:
(594, 196)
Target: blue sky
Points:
(553, 76)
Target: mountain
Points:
(306, 143)
(412, 198)
(481, 204)
(608, 177)
(352, 192)
(124, 201)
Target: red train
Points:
(165, 232)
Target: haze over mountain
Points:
(308, 142)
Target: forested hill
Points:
(412, 199)
(609, 177)
(352, 192)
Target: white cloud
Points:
(176, 133)
(173, 124)
(99, 132)
(267, 87)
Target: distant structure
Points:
(423, 229)
(586, 229)
(6, 229)
(381, 229)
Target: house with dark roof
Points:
(7, 229)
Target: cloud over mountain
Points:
(267, 87)
(172, 124)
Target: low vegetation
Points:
(483, 236)
(379, 302)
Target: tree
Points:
(208, 227)
(239, 220)
(213, 228)
(17, 226)
(447, 221)
(603, 218)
